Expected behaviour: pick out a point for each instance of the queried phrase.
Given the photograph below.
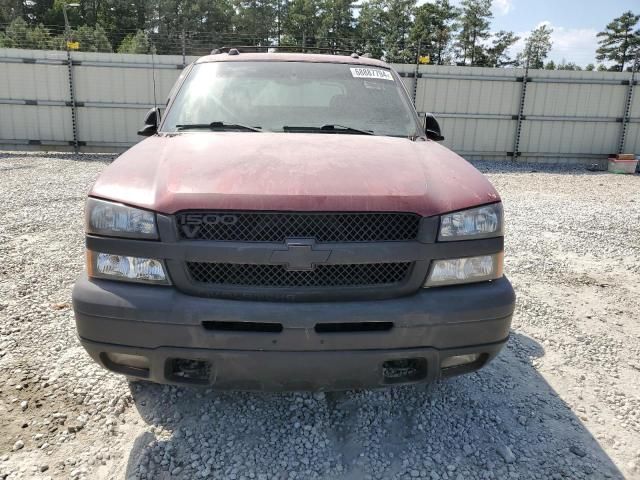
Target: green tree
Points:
(10, 10)
(205, 24)
(590, 68)
(91, 39)
(551, 65)
(337, 22)
(170, 19)
(118, 17)
(537, 47)
(433, 28)
(370, 28)
(138, 43)
(619, 41)
(396, 31)
(497, 55)
(474, 23)
(50, 13)
(36, 12)
(256, 21)
(20, 35)
(216, 18)
(383, 29)
(564, 65)
(301, 23)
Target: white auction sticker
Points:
(362, 72)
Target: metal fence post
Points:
(416, 74)
(627, 106)
(520, 118)
(72, 95)
(184, 49)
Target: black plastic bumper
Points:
(166, 326)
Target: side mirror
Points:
(151, 122)
(432, 128)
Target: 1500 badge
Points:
(192, 223)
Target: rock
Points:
(23, 405)
(18, 445)
(44, 468)
(75, 427)
(506, 454)
(576, 450)
(78, 472)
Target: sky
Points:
(575, 23)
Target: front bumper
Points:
(169, 328)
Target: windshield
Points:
(292, 97)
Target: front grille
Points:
(250, 275)
(277, 227)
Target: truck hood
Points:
(292, 172)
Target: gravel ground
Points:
(561, 401)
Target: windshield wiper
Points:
(330, 128)
(217, 126)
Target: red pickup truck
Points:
(292, 224)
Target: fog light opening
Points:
(404, 370)
(458, 364)
(125, 363)
(185, 370)
(459, 360)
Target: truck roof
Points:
(292, 57)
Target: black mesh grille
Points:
(276, 227)
(246, 275)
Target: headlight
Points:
(121, 267)
(117, 220)
(465, 270)
(480, 222)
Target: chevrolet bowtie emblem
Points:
(300, 255)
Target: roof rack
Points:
(235, 50)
